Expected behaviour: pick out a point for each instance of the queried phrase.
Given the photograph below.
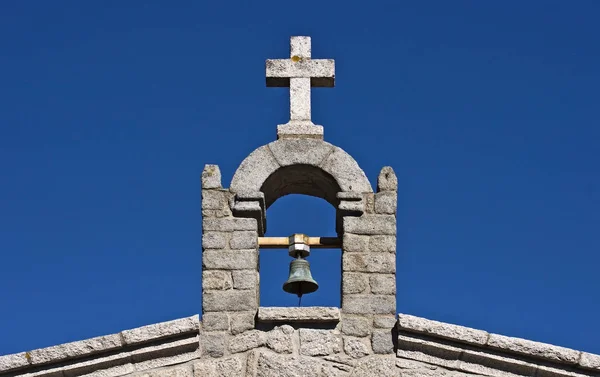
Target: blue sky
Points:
(487, 111)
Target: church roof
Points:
(420, 340)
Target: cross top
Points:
(300, 72)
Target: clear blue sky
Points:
(488, 112)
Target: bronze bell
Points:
(300, 280)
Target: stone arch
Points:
(300, 166)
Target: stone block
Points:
(243, 240)
(371, 225)
(382, 341)
(215, 322)
(430, 352)
(386, 202)
(356, 347)
(299, 130)
(319, 342)
(179, 371)
(354, 282)
(230, 259)
(230, 366)
(300, 151)
(355, 243)
(254, 171)
(280, 339)
(13, 361)
(214, 240)
(356, 326)
(444, 330)
(161, 354)
(211, 177)
(299, 314)
(385, 244)
(383, 284)
(216, 280)
(247, 341)
(215, 199)
(369, 304)
(348, 174)
(218, 213)
(377, 366)
(369, 262)
(587, 360)
(109, 365)
(274, 365)
(473, 361)
(161, 330)
(536, 349)
(245, 279)
(241, 322)
(233, 301)
(229, 224)
(213, 343)
(74, 349)
(385, 322)
(348, 208)
(387, 180)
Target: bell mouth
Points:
(300, 280)
(300, 288)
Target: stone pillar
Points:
(229, 266)
(369, 268)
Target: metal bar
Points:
(313, 242)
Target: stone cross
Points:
(300, 73)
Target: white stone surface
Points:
(384, 263)
(356, 347)
(229, 366)
(299, 314)
(531, 348)
(371, 225)
(75, 349)
(369, 304)
(280, 339)
(211, 177)
(589, 360)
(13, 361)
(444, 330)
(319, 342)
(247, 341)
(161, 330)
(300, 151)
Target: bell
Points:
(300, 280)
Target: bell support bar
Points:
(286, 242)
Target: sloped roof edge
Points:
(180, 336)
(485, 341)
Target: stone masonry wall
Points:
(230, 288)
(369, 269)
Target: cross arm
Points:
(320, 71)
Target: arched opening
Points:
(311, 216)
(300, 179)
